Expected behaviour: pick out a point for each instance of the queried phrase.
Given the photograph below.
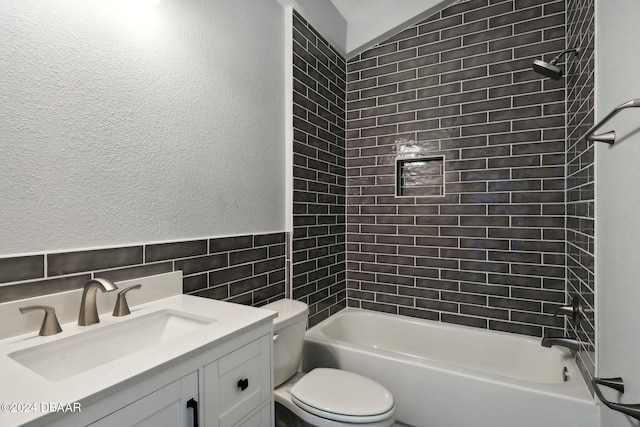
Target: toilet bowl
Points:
(323, 397)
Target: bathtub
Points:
(444, 375)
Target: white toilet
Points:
(322, 397)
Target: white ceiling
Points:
(372, 21)
(352, 26)
(350, 9)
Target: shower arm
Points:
(555, 60)
(609, 137)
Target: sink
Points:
(70, 356)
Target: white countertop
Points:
(20, 385)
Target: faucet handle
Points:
(50, 324)
(122, 307)
(574, 311)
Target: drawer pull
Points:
(243, 384)
(193, 404)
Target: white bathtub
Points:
(445, 375)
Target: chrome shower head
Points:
(550, 69)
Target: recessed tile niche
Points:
(420, 177)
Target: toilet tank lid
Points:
(289, 312)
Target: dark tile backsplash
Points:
(247, 269)
(580, 175)
(490, 252)
(318, 250)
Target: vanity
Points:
(175, 360)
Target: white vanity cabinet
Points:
(231, 384)
(166, 407)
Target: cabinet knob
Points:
(243, 384)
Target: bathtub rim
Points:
(575, 389)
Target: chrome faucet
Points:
(570, 343)
(88, 308)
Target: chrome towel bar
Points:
(609, 137)
(632, 410)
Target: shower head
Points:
(550, 69)
(547, 69)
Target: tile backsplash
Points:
(248, 269)
(490, 252)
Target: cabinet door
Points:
(262, 418)
(166, 407)
(238, 383)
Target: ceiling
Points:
(350, 9)
(353, 26)
(370, 21)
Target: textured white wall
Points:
(123, 122)
(618, 204)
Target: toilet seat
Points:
(342, 396)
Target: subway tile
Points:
(516, 328)
(135, 272)
(17, 268)
(484, 312)
(418, 313)
(464, 320)
(438, 305)
(42, 287)
(487, 12)
(248, 255)
(193, 284)
(101, 259)
(202, 264)
(165, 251)
(218, 292)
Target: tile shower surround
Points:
(580, 175)
(247, 269)
(318, 173)
(491, 252)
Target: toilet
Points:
(323, 397)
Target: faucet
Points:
(122, 307)
(574, 311)
(564, 342)
(88, 309)
(50, 324)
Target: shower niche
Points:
(420, 176)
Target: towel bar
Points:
(632, 410)
(609, 137)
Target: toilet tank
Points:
(288, 337)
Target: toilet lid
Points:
(342, 395)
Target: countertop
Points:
(21, 386)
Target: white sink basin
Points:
(66, 357)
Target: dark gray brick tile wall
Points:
(491, 252)
(318, 250)
(580, 175)
(246, 269)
